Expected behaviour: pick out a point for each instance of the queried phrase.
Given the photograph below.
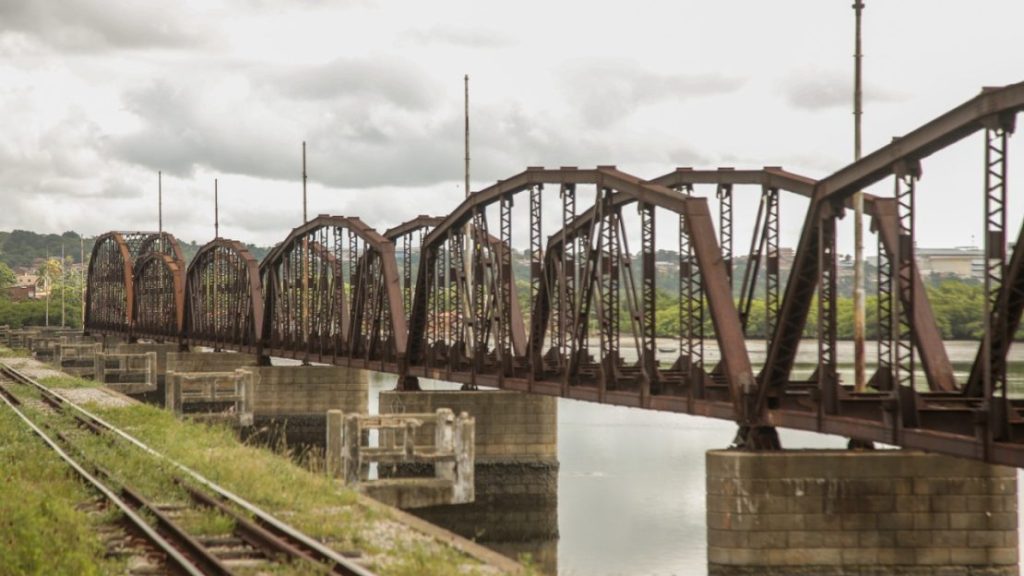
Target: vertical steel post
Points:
(536, 249)
(649, 304)
(63, 284)
(995, 325)
(305, 260)
(81, 245)
(567, 280)
(465, 187)
(771, 278)
(859, 362)
(504, 285)
(691, 309)
(610, 291)
(407, 270)
(827, 380)
(907, 174)
(724, 195)
(886, 328)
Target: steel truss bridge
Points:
(437, 297)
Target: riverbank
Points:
(380, 538)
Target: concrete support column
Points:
(207, 361)
(335, 421)
(884, 512)
(516, 472)
(292, 401)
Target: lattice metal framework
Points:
(159, 285)
(224, 298)
(332, 294)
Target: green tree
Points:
(7, 276)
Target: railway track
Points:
(157, 533)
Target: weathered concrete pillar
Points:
(859, 512)
(78, 359)
(161, 350)
(224, 396)
(335, 421)
(516, 471)
(293, 400)
(207, 361)
(133, 374)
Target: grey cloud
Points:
(460, 36)
(608, 91)
(64, 162)
(177, 136)
(98, 24)
(362, 142)
(818, 91)
(397, 81)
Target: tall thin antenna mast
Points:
(81, 245)
(160, 207)
(46, 284)
(305, 217)
(62, 282)
(305, 260)
(466, 182)
(216, 211)
(859, 362)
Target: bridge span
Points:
(438, 296)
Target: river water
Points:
(631, 482)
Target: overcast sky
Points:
(97, 95)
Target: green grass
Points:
(313, 503)
(68, 382)
(6, 352)
(41, 530)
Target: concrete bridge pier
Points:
(170, 356)
(290, 403)
(879, 512)
(516, 472)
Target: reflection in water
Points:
(516, 507)
(631, 486)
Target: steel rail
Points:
(258, 536)
(136, 520)
(347, 566)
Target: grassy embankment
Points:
(41, 529)
(309, 501)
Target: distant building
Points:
(21, 293)
(26, 278)
(963, 262)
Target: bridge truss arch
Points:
(477, 344)
(224, 298)
(159, 288)
(332, 293)
(110, 294)
(408, 239)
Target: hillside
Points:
(20, 248)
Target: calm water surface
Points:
(631, 484)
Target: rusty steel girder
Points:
(159, 286)
(985, 416)
(111, 297)
(332, 294)
(402, 235)
(224, 298)
(477, 343)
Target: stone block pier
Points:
(839, 512)
(516, 471)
